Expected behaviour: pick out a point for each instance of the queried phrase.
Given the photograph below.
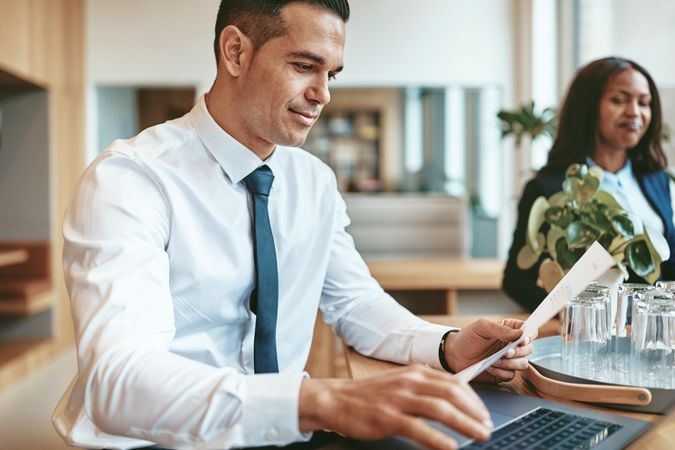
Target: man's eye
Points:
(332, 76)
(303, 67)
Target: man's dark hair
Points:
(579, 119)
(261, 21)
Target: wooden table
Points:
(443, 274)
(9, 257)
(360, 366)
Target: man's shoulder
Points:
(170, 139)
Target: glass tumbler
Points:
(585, 336)
(652, 342)
(620, 346)
(597, 289)
(668, 286)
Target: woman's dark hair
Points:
(579, 117)
(261, 21)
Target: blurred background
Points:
(412, 134)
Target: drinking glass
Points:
(598, 289)
(585, 336)
(668, 286)
(652, 341)
(620, 345)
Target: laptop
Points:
(525, 422)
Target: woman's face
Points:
(625, 111)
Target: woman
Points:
(611, 118)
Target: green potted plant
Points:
(566, 224)
(527, 121)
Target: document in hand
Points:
(590, 266)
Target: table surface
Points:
(437, 273)
(360, 366)
(9, 257)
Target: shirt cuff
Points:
(270, 413)
(425, 344)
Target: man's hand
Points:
(394, 404)
(483, 338)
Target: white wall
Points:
(156, 42)
(389, 42)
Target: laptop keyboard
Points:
(545, 429)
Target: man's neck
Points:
(221, 108)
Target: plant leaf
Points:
(554, 235)
(581, 235)
(639, 258)
(550, 273)
(566, 256)
(623, 225)
(587, 188)
(527, 257)
(558, 199)
(535, 221)
(659, 243)
(574, 170)
(607, 199)
(597, 173)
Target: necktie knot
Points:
(260, 181)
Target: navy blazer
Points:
(521, 285)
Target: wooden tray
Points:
(544, 372)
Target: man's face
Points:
(286, 86)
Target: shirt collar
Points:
(626, 172)
(236, 160)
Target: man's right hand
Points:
(395, 404)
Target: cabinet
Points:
(41, 156)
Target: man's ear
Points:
(235, 49)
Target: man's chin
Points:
(294, 140)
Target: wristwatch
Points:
(441, 351)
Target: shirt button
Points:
(271, 434)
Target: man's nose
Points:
(319, 92)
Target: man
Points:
(198, 252)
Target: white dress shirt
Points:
(159, 265)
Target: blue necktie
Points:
(265, 295)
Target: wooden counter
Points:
(9, 257)
(360, 366)
(444, 274)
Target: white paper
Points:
(590, 266)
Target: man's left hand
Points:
(481, 339)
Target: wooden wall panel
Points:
(42, 41)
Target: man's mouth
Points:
(305, 117)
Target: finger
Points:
(446, 413)
(429, 437)
(457, 393)
(503, 333)
(519, 351)
(511, 364)
(513, 323)
(501, 374)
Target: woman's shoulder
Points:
(546, 182)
